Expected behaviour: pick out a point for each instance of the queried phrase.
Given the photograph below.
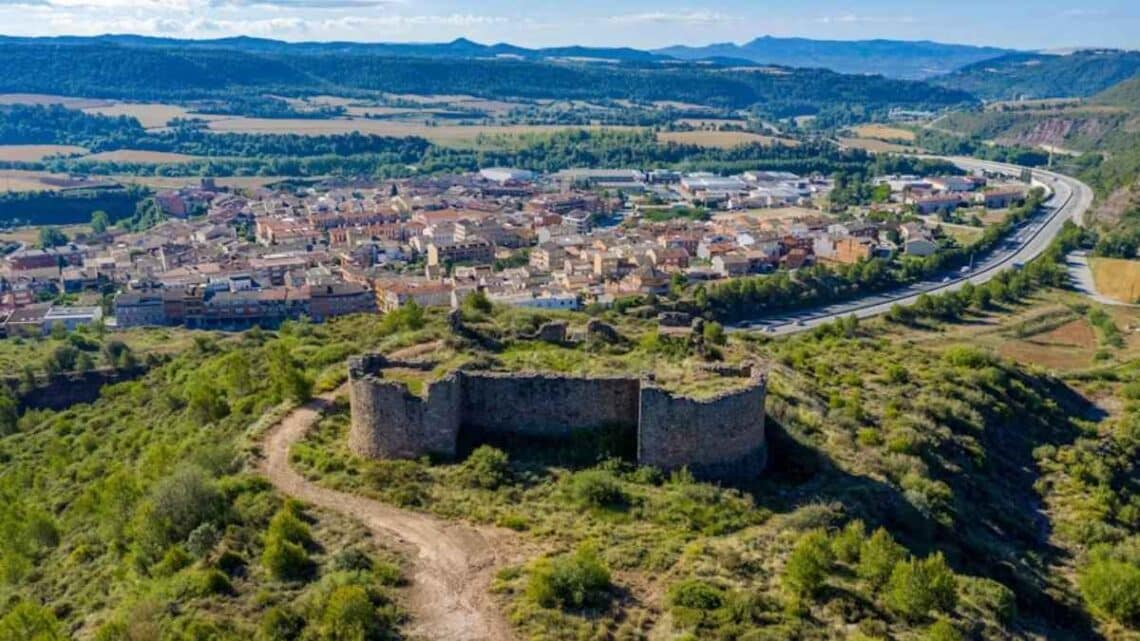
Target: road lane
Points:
(1070, 200)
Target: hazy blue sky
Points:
(651, 23)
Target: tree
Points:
(714, 333)
(486, 468)
(877, 558)
(918, 586)
(847, 543)
(100, 221)
(288, 380)
(180, 503)
(52, 237)
(808, 565)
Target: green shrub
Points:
(570, 581)
(351, 614)
(990, 597)
(808, 565)
(942, 630)
(1112, 587)
(286, 560)
(289, 527)
(849, 541)
(280, 624)
(597, 488)
(209, 582)
(30, 622)
(486, 468)
(693, 601)
(877, 558)
(968, 357)
(919, 586)
(174, 560)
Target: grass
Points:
(964, 234)
(462, 135)
(722, 139)
(874, 146)
(885, 132)
(36, 153)
(1117, 278)
(141, 156)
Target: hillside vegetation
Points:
(1033, 76)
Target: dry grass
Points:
(442, 134)
(140, 156)
(36, 153)
(20, 180)
(722, 139)
(46, 99)
(31, 235)
(874, 146)
(234, 182)
(964, 234)
(149, 115)
(885, 132)
(1116, 278)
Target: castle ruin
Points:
(719, 438)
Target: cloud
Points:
(666, 17)
(307, 4)
(853, 18)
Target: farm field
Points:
(1117, 278)
(722, 139)
(176, 182)
(21, 180)
(141, 156)
(36, 153)
(442, 134)
(45, 99)
(884, 132)
(31, 235)
(874, 146)
(149, 115)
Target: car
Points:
(799, 323)
(965, 269)
(946, 279)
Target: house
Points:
(71, 318)
(729, 265)
(338, 299)
(956, 184)
(1002, 198)
(472, 251)
(139, 309)
(391, 296)
(936, 203)
(668, 258)
(853, 249)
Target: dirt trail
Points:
(453, 562)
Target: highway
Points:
(1069, 201)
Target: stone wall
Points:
(719, 438)
(546, 406)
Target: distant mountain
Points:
(1125, 95)
(1035, 75)
(891, 58)
(460, 48)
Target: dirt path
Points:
(453, 563)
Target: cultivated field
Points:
(874, 146)
(141, 156)
(884, 132)
(1116, 278)
(165, 182)
(442, 134)
(19, 180)
(722, 139)
(36, 153)
(149, 115)
(45, 99)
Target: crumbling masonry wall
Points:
(720, 438)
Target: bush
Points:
(30, 622)
(286, 560)
(846, 544)
(919, 586)
(181, 502)
(280, 624)
(286, 525)
(486, 468)
(877, 558)
(351, 615)
(990, 597)
(942, 630)
(570, 581)
(1112, 587)
(808, 565)
(597, 488)
(694, 600)
(210, 582)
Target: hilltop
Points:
(892, 58)
(1036, 76)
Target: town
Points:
(230, 260)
